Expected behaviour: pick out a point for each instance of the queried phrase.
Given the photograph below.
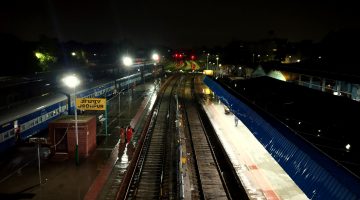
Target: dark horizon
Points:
(180, 24)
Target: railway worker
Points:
(122, 135)
(129, 133)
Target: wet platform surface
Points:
(261, 175)
(65, 180)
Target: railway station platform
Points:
(97, 176)
(261, 175)
(63, 179)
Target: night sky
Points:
(176, 23)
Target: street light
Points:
(217, 61)
(155, 57)
(207, 61)
(127, 61)
(72, 81)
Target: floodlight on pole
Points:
(72, 81)
(207, 61)
(155, 57)
(127, 61)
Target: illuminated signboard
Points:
(91, 103)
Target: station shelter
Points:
(62, 135)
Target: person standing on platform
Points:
(129, 133)
(236, 121)
(122, 135)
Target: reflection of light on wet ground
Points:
(124, 158)
(153, 99)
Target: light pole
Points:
(38, 141)
(72, 81)
(217, 61)
(119, 102)
(207, 61)
(127, 61)
(155, 57)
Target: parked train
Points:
(33, 116)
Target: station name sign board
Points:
(91, 103)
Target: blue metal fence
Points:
(315, 173)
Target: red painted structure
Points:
(62, 135)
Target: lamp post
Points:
(72, 81)
(38, 141)
(155, 57)
(207, 61)
(127, 61)
(217, 61)
(119, 102)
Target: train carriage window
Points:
(6, 135)
(39, 119)
(22, 127)
(12, 132)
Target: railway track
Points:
(155, 174)
(208, 177)
(151, 176)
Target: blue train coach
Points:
(28, 119)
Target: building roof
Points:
(335, 72)
(327, 121)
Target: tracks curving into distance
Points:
(154, 170)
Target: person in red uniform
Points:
(122, 135)
(129, 133)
